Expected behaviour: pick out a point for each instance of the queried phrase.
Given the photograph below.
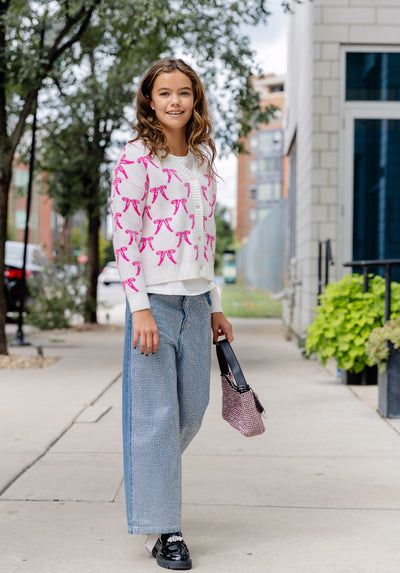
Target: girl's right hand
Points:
(145, 329)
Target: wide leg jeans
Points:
(165, 396)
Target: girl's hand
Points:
(221, 326)
(145, 328)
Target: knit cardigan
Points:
(163, 223)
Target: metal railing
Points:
(388, 264)
(327, 259)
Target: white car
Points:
(110, 274)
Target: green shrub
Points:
(377, 345)
(58, 296)
(345, 318)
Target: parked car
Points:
(36, 261)
(110, 274)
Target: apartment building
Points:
(262, 171)
(342, 136)
(42, 218)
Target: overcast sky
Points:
(270, 44)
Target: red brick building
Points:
(42, 218)
(262, 171)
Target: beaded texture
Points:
(239, 409)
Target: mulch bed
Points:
(19, 362)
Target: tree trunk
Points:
(5, 179)
(71, 31)
(5, 174)
(64, 238)
(92, 266)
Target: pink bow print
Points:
(169, 254)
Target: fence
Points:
(261, 262)
(388, 264)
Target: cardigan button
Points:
(197, 205)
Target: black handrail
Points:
(328, 259)
(388, 264)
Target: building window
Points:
(269, 191)
(253, 167)
(269, 165)
(270, 141)
(266, 141)
(253, 143)
(376, 211)
(265, 192)
(20, 219)
(20, 182)
(253, 192)
(372, 76)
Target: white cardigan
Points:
(163, 223)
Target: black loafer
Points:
(171, 552)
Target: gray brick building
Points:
(342, 135)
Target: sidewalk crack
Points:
(53, 442)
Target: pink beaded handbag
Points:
(241, 407)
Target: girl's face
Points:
(172, 100)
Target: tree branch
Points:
(53, 54)
(19, 128)
(84, 15)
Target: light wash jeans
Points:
(165, 396)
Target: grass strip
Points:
(241, 301)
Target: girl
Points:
(162, 205)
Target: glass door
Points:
(372, 202)
(370, 153)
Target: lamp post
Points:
(19, 337)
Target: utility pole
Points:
(19, 337)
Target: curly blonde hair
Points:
(198, 128)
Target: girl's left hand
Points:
(221, 326)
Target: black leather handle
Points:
(227, 360)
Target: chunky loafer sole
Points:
(177, 565)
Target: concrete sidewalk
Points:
(318, 492)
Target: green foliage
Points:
(225, 235)
(288, 5)
(86, 57)
(377, 345)
(106, 252)
(34, 37)
(57, 298)
(63, 23)
(345, 318)
(78, 238)
(95, 86)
